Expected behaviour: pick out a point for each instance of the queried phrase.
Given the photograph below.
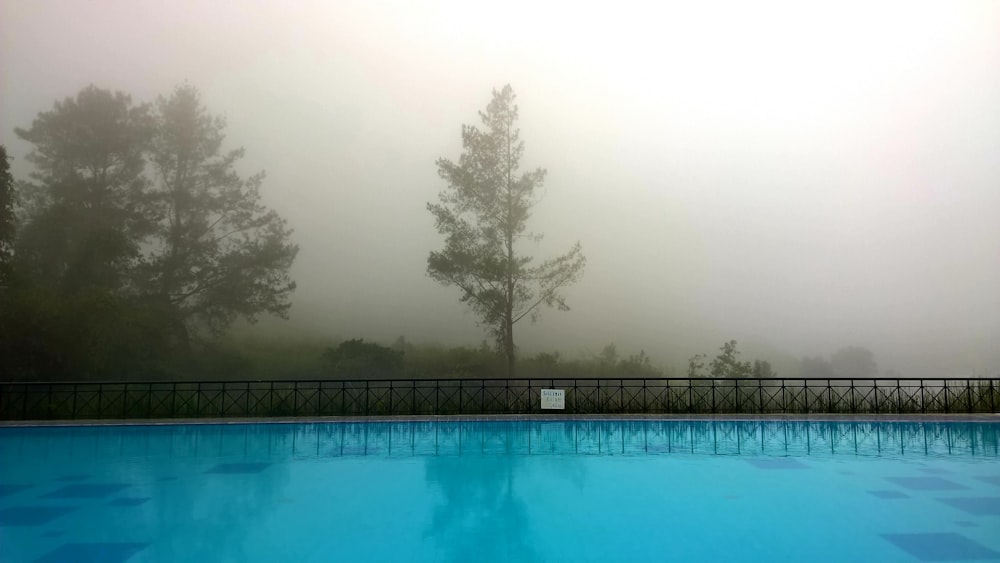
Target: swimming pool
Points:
(567, 490)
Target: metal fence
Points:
(184, 399)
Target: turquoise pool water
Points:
(502, 491)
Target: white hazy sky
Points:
(799, 176)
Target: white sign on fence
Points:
(553, 398)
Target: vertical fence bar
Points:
(760, 394)
(805, 394)
(621, 395)
(739, 401)
(690, 405)
(124, 400)
(875, 391)
(600, 404)
(947, 403)
(367, 392)
(968, 390)
(899, 398)
(645, 400)
(784, 401)
(993, 407)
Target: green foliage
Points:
(483, 214)
(357, 359)
(116, 262)
(89, 334)
(458, 362)
(85, 221)
(607, 363)
(727, 364)
(7, 228)
(217, 253)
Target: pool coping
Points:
(818, 417)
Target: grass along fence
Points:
(222, 399)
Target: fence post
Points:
(854, 405)
(784, 401)
(923, 404)
(531, 398)
(899, 398)
(739, 402)
(968, 390)
(947, 403)
(621, 396)
(993, 407)
(760, 394)
(645, 400)
(690, 395)
(875, 387)
(805, 395)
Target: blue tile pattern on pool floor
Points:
(103, 552)
(75, 477)
(941, 547)
(926, 483)
(86, 491)
(698, 491)
(6, 490)
(32, 515)
(979, 506)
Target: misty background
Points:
(799, 178)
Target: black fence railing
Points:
(196, 399)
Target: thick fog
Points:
(796, 176)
